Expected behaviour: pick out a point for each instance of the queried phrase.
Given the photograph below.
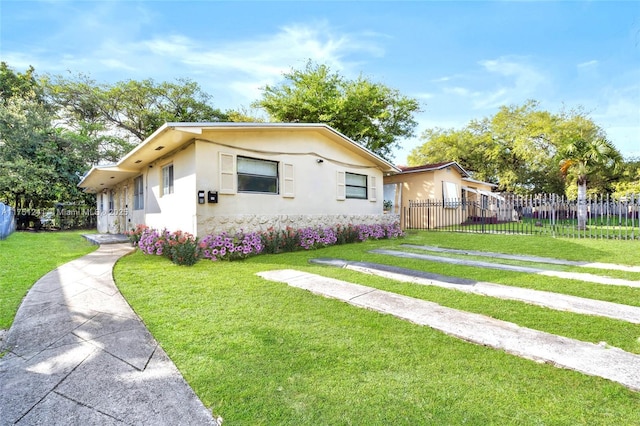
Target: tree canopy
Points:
(520, 148)
(54, 129)
(372, 114)
(39, 161)
(136, 108)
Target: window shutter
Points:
(288, 187)
(372, 188)
(227, 173)
(341, 191)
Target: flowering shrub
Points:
(366, 232)
(184, 249)
(152, 241)
(135, 234)
(278, 241)
(311, 238)
(346, 234)
(393, 230)
(181, 248)
(226, 247)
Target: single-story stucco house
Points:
(446, 184)
(206, 178)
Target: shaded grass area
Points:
(27, 256)
(585, 249)
(609, 229)
(259, 352)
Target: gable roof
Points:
(435, 166)
(172, 136)
(493, 185)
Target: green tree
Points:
(40, 163)
(629, 178)
(469, 147)
(586, 153)
(15, 84)
(243, 115)
(78, 106)
(517, 148)
(54, 129)
(25, 126)
(136, 108)
(371, 114)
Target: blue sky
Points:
(461, 60)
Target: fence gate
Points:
(550, 214)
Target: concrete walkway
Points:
(588, 358)
(581, 276)
(78, 355)
(527, 258)
(557, 301)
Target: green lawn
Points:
(27, 256)
(262, 353)
(605, 228)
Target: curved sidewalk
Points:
(78, 354)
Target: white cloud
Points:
(519, 80)
(502, 81)
(441, 79)
(588, 64)
(243, 66)
(116, 64)
(459, 91)
(619, 116)
(423, 95)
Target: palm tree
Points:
(583, 157)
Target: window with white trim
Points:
(355, 186)
(167, 179)
(111, 201)
(255, 175)
(450, 194)
(138, 193)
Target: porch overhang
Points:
(491, 194)
(100, 178)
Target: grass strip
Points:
(260, 353)
(27, 256)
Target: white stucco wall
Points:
(314, 200)
(308, 195)
(174, 211)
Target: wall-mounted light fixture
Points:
(200, 197)
(319, 161)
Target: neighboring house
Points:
(206, 178)
(445, 184)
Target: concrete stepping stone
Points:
(610, 363)
(527, 258)
(526, 269)
(547, 299)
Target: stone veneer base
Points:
(259, 223)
